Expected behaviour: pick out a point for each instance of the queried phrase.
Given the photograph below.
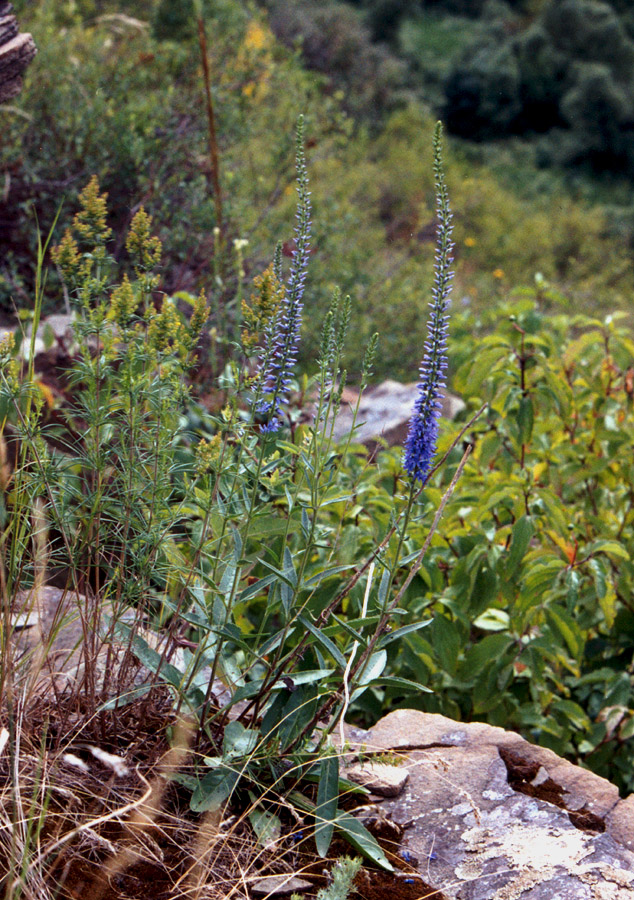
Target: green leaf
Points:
(445, 639)
(493, 619)
(214, 789)
(238, 741)
(541, 575)
(266, 825)
(281, 576)
(371, 671)
(599, 577)
(401, 632)
(565, 628)
(402, 683)
(610, 548)
(573, 713)
(314, 580)
(373, 667)
(485, 652)
(327, 799)
(152, 660)
(340, 625)
(523, 531)
(257, 588)
(525, 419)
(358, 836)
(324, 642)
(296, 713)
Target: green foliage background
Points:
(123, 99)
(530, 579)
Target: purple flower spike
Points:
(420, 445)
(277, 363)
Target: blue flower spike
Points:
(279, 356)
(422, 438)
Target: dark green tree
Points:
(590, 31)
(600, 115)
(483, 93)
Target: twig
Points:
(211, 122)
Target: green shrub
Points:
(572, 67)
(530, 582)
(145, 134)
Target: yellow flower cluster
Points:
(168, 331)
(264, 303)
(256, 38)
(144, 248)
(8, 364)
(90, 225)
(208, 454)
(199, 316)
(254, 59)
(123, 303)
(66, 257)
(90, 221)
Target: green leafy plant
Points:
(215, 560)
(529, 584)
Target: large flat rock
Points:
(488, 816)
(383, 413)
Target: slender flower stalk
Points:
(420, 445)
(279, 356)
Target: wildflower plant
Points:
(420, 446)
(279, 356)
(250, 602)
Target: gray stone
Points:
(384, 412)
(380, 778)
(277, 885)
(489, 816)
(49, 627)
(53, 329)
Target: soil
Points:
(117, 827)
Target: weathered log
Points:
(16, 52)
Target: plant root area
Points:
(96, 804)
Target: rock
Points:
(49, 630)
(16, 52)
(489, 816)
(379, 778)
(278, 885)
(49, 627)
(53, 329)
(384, 412)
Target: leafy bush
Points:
(335, 42)
(530, 582)
(572, 68)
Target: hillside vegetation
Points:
(121, 96)
(195, 576)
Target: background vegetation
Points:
(526, 588)
(122, 98)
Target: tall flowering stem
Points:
(420, 445)
(279, 356)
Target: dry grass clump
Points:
(83, 817)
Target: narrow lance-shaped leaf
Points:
(327, 799)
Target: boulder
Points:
(16, 52)
(485, 815)
(384, 413)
